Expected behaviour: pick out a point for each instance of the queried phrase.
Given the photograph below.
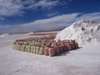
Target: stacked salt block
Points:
(45, 46)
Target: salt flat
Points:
(84, 61)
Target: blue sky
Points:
(14, 13)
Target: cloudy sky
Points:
(35, 14)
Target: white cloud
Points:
(53, 23)
(46, 3)
(2, 18)
(14, 7)
(92, 16)
(62, 20)
(8, 8)
(95, 16)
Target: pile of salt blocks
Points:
(45, 46)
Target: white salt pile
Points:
(82, 31)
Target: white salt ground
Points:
(84, 61)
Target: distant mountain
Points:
(55, 23)
(20, 30)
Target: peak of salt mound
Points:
(82, 31)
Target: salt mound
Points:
(82, 31)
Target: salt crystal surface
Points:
(82, 31)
